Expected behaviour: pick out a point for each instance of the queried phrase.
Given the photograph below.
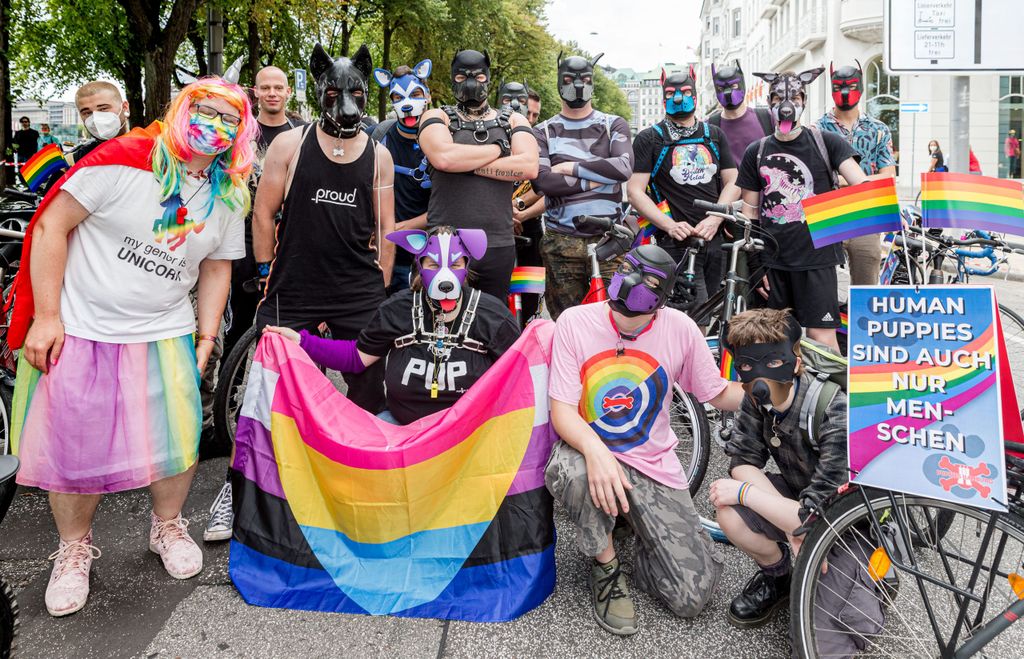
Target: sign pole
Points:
(959, 123)
(913, 156)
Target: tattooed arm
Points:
(519, 166)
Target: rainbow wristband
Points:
(744, 489)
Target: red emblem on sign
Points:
(956, 474)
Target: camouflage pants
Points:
(567, 270)
(674, 559)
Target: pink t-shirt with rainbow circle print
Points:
(626, 397)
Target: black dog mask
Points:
(341, 89)
(471, 93)
(576, 79)
(513, 95)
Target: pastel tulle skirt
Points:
(108, 417)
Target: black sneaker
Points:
(759, 600)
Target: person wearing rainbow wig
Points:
(108, 376)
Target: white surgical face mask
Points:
(103, 125)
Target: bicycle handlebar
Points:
(20, 194)
(714, 208)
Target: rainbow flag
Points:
(527, 279)
(447, 517)
(46, 162)
(728, 366)
(858, 210)
(964, 201)
(647, 228)
(844, 320)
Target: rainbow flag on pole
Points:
(858, 210)
(727, 368)
(447, 517)
(527, 279)
(38, 169)
(965, 201)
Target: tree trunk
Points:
(6, 174)
(132, 77)
(198, 40)
(385, 61)
(253, 63)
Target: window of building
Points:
(882, 93)
(736, 25)
(714, 26)
(1011, 117)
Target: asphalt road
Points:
(137, 610)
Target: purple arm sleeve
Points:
(339, 355)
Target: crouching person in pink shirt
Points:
(612, 370)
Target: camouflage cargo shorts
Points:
(567, 270)
(674, 559)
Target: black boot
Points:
(762, 595)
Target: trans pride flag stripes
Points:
(447, 517)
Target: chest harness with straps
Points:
(479, 127)
(441, 342)
(705, 138)
(418, 174)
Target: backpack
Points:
(764, 116)
(829, 370)
(819, 142)
(704, 139)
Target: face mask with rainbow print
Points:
(209, 137)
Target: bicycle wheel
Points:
(690, 424)
(234, 373)
(838, 606)
(1013, 332)
(6, 398)
(8, 619)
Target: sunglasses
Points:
(212, 113)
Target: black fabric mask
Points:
(513, 95)
(576, 79)
(341, 89)
(471, 93)
(764, 384)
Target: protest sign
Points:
(924, 394)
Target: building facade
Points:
(780, 35)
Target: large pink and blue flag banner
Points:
(447, 517)
(927, 396)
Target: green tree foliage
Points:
(58, 44)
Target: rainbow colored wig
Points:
(229, 172)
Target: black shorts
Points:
(813, 295)
(759, 524)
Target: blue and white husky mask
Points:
(408, 110)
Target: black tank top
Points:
(468, 201)
(324, 264)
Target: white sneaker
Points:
(69, 582)
(222, 516)
(180, 554)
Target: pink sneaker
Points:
(181, 555)
(69, 582)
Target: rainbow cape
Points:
(45, 163)
(858, 210)
(131, 150)
(447, 517)
(527, 279)
(964, 201)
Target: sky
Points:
(638, 34)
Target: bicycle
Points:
(8, 604)
(687, 416)
(16, 209)
(969, 587)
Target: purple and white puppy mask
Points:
(730, 86)
(783, 90)
(445, 246)
(643, 281)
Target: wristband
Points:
(207, 337)
(743, 491)
(506, 148)
(263, 269)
